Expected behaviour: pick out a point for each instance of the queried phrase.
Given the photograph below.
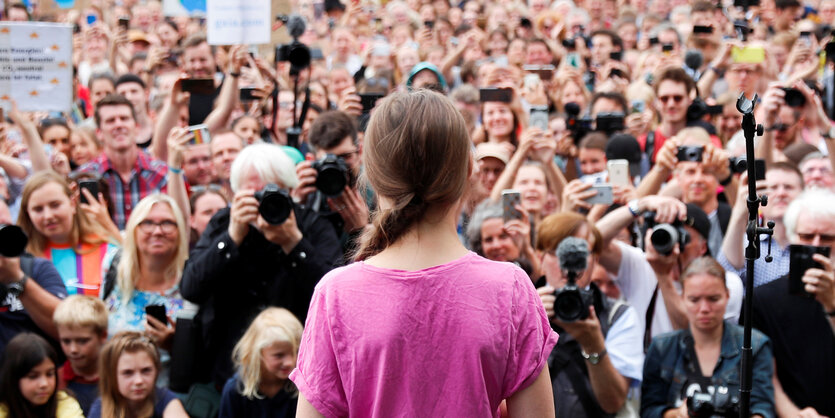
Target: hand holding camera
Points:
(662, 262)
(243, 213)
(817, 277)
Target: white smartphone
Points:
(618, 172)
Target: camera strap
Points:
(648, 319)
(649, 146)
(561, 362)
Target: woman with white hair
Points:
(262, 251)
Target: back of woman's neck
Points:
(425, 245)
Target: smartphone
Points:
(638, 106)
(430, 24)
(538, 117)
(531, 82)
(91, 19)
(318, 10)
(702, 29)
(369, 100)
(91, 185)
(157, 312)
(124, 22)
(794, 97)
(246, 94)
(748, 55)
(511, 199)
(573, 59)
(618, 172)
(759, 169)
(198, 85)
(493, 94)
(667, 49)
(609, 122)
(806, 37)
(616, 55)
(690, 153)
(76, 28)
(201, 134)
(604, 195)
(653, 40)
(800, 260)
(545, 72)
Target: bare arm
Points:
(174, 409)
(673, 301)
(177, 142)
(306, 410)
(40, 305)
(168, 119)
(37, 153)
(536, 400)
(505, 180)
(228, 98)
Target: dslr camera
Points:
(722, 403)
(331, 175)
(666, 236)
(572, 303)
(690, 153)
(12, 241)
(274, 204)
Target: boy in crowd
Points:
(82, 330)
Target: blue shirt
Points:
(233, 404)
(161, 400)
(670, 362)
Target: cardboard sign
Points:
(231, 22)
(36, 66)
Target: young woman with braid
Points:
(419, 326)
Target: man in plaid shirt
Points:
(130, 173)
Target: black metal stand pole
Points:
(752, 251)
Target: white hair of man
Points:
(269, 160)
(814, 204)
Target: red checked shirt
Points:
(148, 176)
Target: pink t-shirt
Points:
(449, 341)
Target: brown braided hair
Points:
(416, 156)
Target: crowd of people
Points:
(424, 208)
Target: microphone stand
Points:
(752, 251)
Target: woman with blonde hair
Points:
(129, 365)
(154, 252)
(61, 230)
(264, 358)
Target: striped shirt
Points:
(81, 269)
(148, 176)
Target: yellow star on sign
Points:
(62, 64)
(55, 47)
(55, 81)
(33, 93)
(34, 35)
(4, 30)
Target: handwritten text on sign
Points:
(36, 66)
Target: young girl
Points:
(421, 326)
(128, 370)
(29, 381)
(264, 358)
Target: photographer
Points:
(649, 281)
(334, 134)
(804, 352)
(598, 356)
(273, 264)
(695, 372)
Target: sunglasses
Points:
(676, 98)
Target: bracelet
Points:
(719, 73)
(175, 170)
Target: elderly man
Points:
(801, 326)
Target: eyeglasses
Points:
(779, 127)
(206, 188)
(148, 226)
(676, 98)
(348, 155)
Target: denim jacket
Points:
(665, 370)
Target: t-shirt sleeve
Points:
(48, 278)
(316, 374)
(532, 338)
(624, 342)
(164, 397)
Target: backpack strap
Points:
(649, 147)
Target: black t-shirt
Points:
(804, 345)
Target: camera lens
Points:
(664, 238)
(274, 204)
(331, 175)
(12, 240)
(569, 306)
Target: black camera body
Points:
(12, 241)
(296, 53)
(722, 403)
(274, 204)
(572, 303)
(331, 175)
(690, 153)
(610, 122)
(666, 236)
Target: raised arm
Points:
(228, 98)
(168, 119)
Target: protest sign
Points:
(184, 8)
(36, 66)
(231, 22)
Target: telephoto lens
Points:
(274, 204)
(12, 240)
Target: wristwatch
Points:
(829, 134)
(16, 288)
(593, 358)
(632, 205)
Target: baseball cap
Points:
(488, 149)
(698, 220)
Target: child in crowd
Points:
(264, 358)
(129, 365)
(28, 383)
(82, 330)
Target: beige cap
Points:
(489, 149)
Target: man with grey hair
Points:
(817, 171)
(274, 260)
(801, 324)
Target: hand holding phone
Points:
(91, 185)
(157, 312)
(511, 199)
(800, 260)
